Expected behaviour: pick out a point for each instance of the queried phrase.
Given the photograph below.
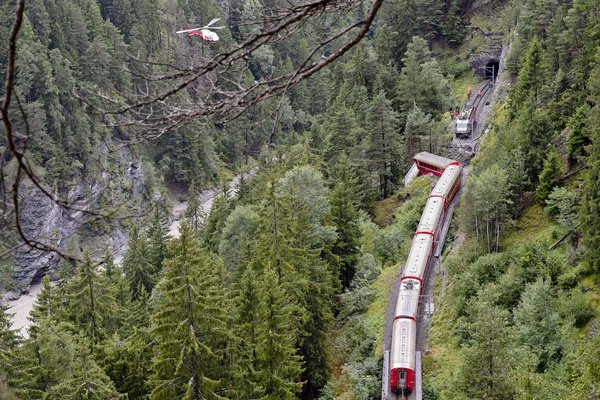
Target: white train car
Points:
(432, 215)
(407, 304)
(418, 257)
(448, 184)
(402, 355)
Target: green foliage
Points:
(237, 245)
(492, 199)
(345, 217)
(345, 133)
(537, 322)
(533, 138)
(452, 26)
(484, 371)
(158, 238)
(578, 136)
(8, 345)
(136, 264)
(590, 209)
(86, 381)
(127, 361)
(70, 373)
(194, 212)
(213, 228)
(90, 304)
(45, 307)
(419, 128)
(279, 365)
(563, 205)
(550, 176)
(421, 82)
(574, 306)
(7, 281)
(188, 324)
(530, 78)
(486, 269)
(383, 143)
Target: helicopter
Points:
(205, 33)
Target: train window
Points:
(402, 375)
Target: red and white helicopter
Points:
(206, 32)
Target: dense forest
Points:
(280, 291)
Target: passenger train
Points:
(404, 328)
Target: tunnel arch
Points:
(491, 69)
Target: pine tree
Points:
(345, 218)
(85, 381)
(578, 133)
(308, 242)
(534, 135)
(344, 134)
(8, 346)
(45, 307)
(453, 27)
(238, 241)
(59, 364)
(187, 324)
(90, 304)
(136, 264)
(419, 128)
(530, 79)
(383, 143)
(278, 364)
(492, 198)
(590, 210)
(550, 176)
(122, 320)
(215, 222)
(410, 87)
(127, 361)
(399, 25)
(158, 237)
(193, 212)
(537, 322)
(247, 327)
(292, 240)
(484, 372)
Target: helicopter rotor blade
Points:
(212, 21)
(189, 30)
(212, 28)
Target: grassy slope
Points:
(440, 367)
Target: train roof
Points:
(418, 255)
(407, 303)
(433, 159)
(404, 342)
(446, 181)
(432, 215)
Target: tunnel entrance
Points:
(491, 70)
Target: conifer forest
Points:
(220, 199)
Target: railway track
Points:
(425, 311)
